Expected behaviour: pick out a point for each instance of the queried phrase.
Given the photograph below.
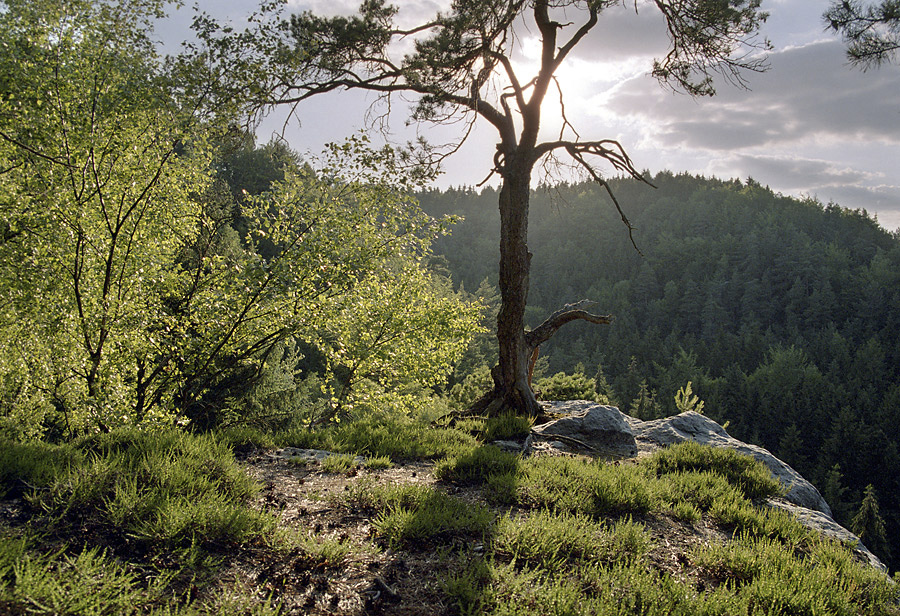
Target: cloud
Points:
(794, 173)
(808, 92)
(825, 180)
(622, 32)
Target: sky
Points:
(810, 126)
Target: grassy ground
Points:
(435, 522)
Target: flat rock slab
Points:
(596, 428)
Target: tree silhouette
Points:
(461, 67)
(872, 32)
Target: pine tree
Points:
(833, 491)
(869, 525)
(645, 406)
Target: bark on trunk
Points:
(511, 383)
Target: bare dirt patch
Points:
(373, 578)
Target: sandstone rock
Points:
(588, 426)
(604, 430)
(695, 427)
(818, 521)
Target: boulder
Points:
(588, 427)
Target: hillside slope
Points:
(783, 313)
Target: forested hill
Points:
(783, 313)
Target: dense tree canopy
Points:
(155, 266)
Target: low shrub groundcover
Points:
(555, 535)
(574, 547)
(177, 500)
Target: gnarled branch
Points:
(607, 149)
(568, 313)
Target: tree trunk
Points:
(511, 384)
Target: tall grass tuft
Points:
(406, 514)
(168, 489)
(395, 437)
(475, 466)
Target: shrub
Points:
(508, 426)
(562, 386)
(590, 488)
(475, 466)
(169, 489)
(392, 436)
(550, 540)
(409, 513)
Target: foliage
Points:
(562, 386)
(751, 476)
(339, 463)
(344, 283)
(872, 32)
(101, 190)
(869, 526)
(472, 387)
(90, 582)
(549, 540)
(166, 490)
(507, 426)
(685, 400)
(476, 465)
(412, 513)
(393, 436)
(155, 266)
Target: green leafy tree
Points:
(101, 179)
(461, 67)
(400, 329)
(126, 290)
(336, 259)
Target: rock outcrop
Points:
(695, 427)
(594, 429)
(591, 426)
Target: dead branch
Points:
(566, 314)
